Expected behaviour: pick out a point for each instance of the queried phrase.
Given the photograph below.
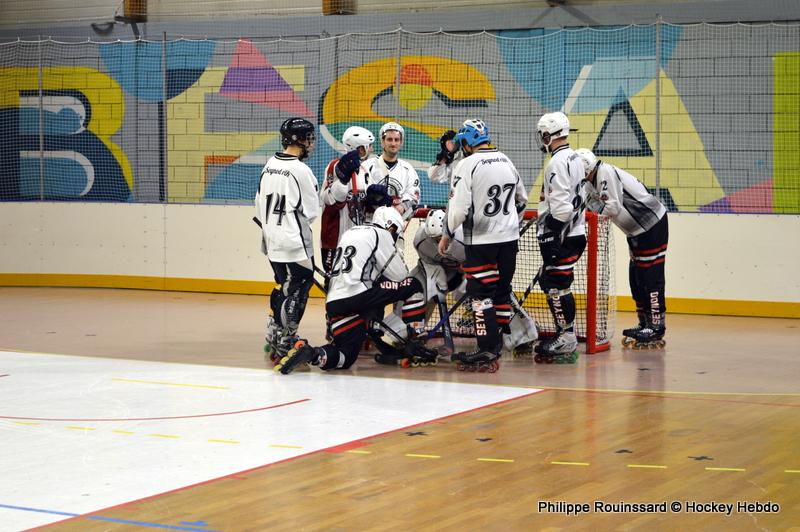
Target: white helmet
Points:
(356, 136)
(434, 223)
(392, 126)
(388, 217)
(588, 159)
(551, 126)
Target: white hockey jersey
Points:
(484, 196)
(365, 253)
(562, 195)
(624, 199)
(428, 249)
(401, 180)
(334, 194)
(286, 205)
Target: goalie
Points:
(440, 274)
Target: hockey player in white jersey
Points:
(286, 205)
(616, 193)
(441, 171)
(368, 274)
(336, 193)
(561, 233)
(398, 176)
(487, 197)
(442, 274)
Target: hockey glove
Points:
(348, 164)
(445, 155)
(550, 240)
(378, 196)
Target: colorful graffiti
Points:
(196, 120)
(74, 158)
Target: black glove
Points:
(550, 239)
(378, 196)
(348, 163)
(445, 154)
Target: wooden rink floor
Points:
(710, 421)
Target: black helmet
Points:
(295, 130)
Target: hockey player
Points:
(441, 171)
(561, 233)
(616, 193)
(337, 193)
(486, 198)
(397, 175)
(442, 274)
(368, 274)
(286, 205)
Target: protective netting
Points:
(707, 116)
(594, 286)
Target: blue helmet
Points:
(473, 133)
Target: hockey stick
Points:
(445, 317)
(527, 292)
(447, 333)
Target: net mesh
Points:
(595, 302)
(705, 115)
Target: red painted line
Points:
(158, 418)
(257, 468)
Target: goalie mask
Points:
(434, 223)
(388, 218)
(298, 132)
(588, 159)
(356, 137)
(551, 126)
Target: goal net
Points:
(593, 287)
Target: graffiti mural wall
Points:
(706, 116)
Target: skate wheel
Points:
(300, 343)
(404, 363)
(461, 367)
(627, 342)
(538, 358)
(268, 348)
(493, 366)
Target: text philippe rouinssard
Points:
(676, 507)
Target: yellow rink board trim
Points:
(676, 305)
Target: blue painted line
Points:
(107, 519)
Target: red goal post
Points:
(593, 287)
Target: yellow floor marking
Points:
(359, 452)
(163, 436)
(792, 471)
(410, 455)
(25, 422)
(645, 466)
(80, 428)
(570, 463)
(165, 383)
(494, 460)
(125, 432)
(725, 469)
(223, 441)
(279, 446)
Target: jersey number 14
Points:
(280, 207)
